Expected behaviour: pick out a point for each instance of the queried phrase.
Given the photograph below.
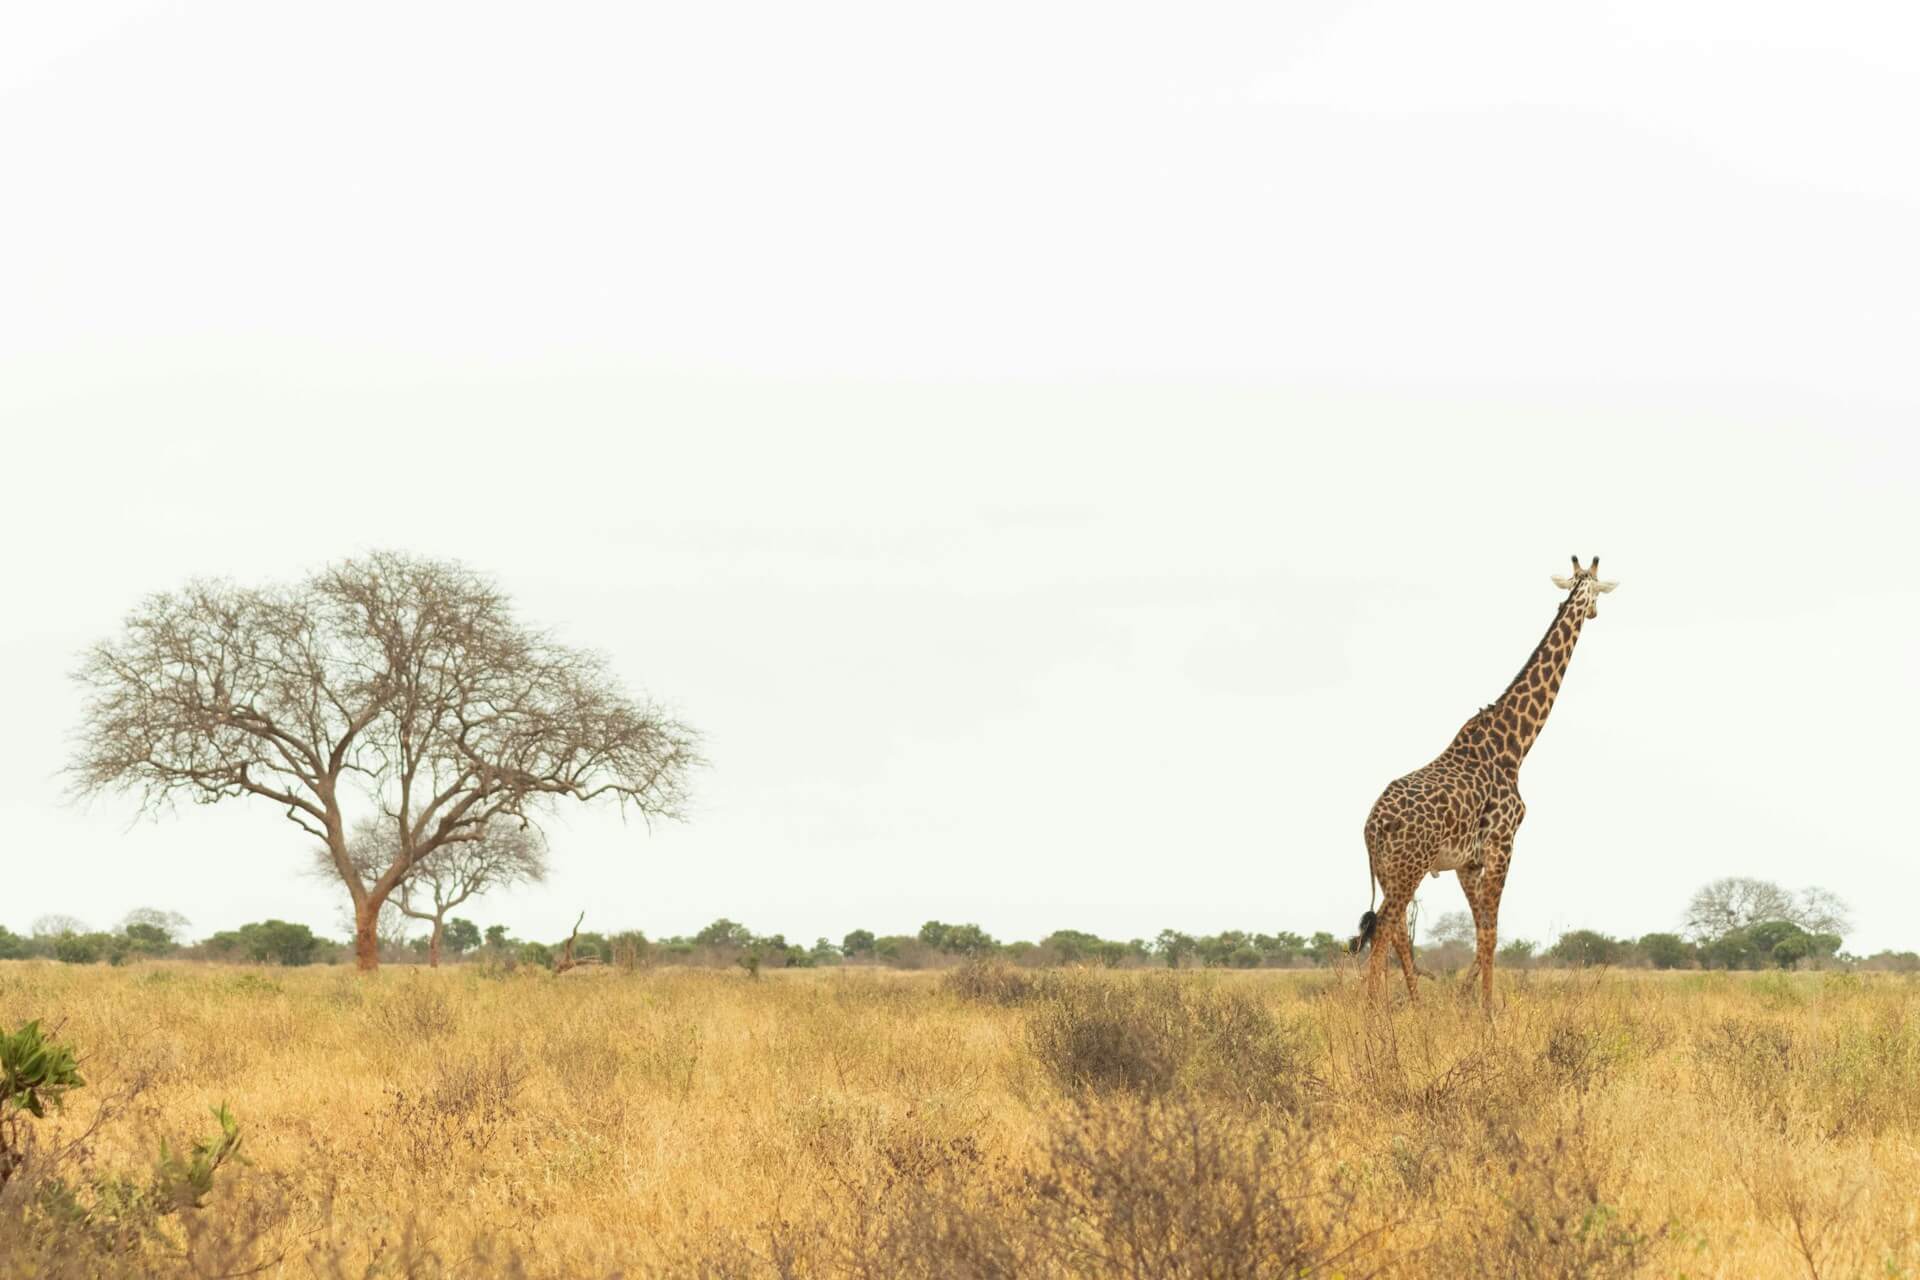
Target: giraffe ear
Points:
(1605, 586)
(1565, 584)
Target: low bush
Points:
(1556, 1220)
(412, 1012)
(267, 942)
(79, 948)
(996, 982)
(1158, 1034)
(461, 1109)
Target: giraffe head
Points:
(1585, 584)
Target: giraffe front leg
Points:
(1486, 917)
(1470, 885)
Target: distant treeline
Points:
(725, 943)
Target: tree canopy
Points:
(401, 682)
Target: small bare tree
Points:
(1820, 910)
(502, 855)
(404, 682)
(1453, 928)
(52, 926)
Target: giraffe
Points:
(1460, 812)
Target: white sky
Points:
(1066, 458)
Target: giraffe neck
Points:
(1515, 720)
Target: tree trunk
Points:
(366, 936)
(433, 945)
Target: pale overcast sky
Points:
(1066, 458)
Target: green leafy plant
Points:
(182, 1181)
(36, 1072)
(115, 1215)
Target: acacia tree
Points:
(501, 855)
(151, 931)
(403, 683)
(170, 925)
(1740, 902)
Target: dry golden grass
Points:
(829, 1123)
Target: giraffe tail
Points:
(1361, 940)
(1368, 922)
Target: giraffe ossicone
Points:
(1460, 812)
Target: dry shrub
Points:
(253, 984)
(1749, 1064)
(998, 983)
(242, 1232)
(1849, 1078)
(1814, 1212)
(1159, 1034)
(1588, 1035)
(1447, 1071)
(1867, 1078)
(1573, 1054)
(461, 1110)
(928, 1207)
(1584, 1048)
(1175, 1189)
(668, 1055)
(1440, 1085)
(876, 991)
(1556, 1218)
(1145, 1189)
(406, 1249)
(412, 1011)
(589, 1059)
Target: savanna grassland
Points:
(981, 1123)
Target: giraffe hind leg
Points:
(1403, 948)
(1484, 897)
(1390, 935)
(1389, 923)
